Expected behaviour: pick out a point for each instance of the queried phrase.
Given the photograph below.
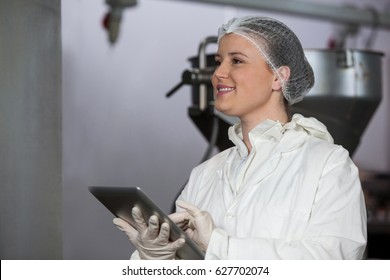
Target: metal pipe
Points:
(341, 14)
(202, 56)
(114, 17)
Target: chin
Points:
(228, 113)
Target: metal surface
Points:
(342, 14)
(346, 93)
(203, 65)
(114, 17)
(347, 14)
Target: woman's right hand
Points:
(197, 224)
(151, 240)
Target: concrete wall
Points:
(30, 129)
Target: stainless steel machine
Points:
(347, 91)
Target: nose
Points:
(221, 71)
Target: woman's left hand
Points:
(151, 240)
(197, 224)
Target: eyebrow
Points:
(232, 54)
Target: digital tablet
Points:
(120, 201)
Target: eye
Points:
(217, 62)
(236, 61)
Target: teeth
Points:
(225, 89)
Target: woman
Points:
(284, 191)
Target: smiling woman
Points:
(285, 190)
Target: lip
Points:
(224, 89)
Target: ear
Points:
(281, 77)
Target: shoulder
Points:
(315, 153)
(320, 148)
(310, 136)
(330, 160)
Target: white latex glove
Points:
(197, 224)
(151, 242)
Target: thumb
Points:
(121, 224)
(126, 228)
(178, 243)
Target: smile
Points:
(224, 89)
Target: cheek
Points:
(214, 81)
(259, 81)
(250, 81)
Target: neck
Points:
(247, 125)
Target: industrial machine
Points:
(346, 93)
(348, 82)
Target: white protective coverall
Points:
(296, 195)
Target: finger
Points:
(139, 220)
(121, 224)
(190, 233)
(183, 225)
(164, 233)
(180, 217)
(192, 209)
(153, 227)
(178, 244)
(126, 228)
(191, 224)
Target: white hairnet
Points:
(280, 47)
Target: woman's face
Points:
(243, 83)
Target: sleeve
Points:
(191, 190)
(336, 228)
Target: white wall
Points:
(118, 127)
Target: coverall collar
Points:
(266, 130)
(274, 130)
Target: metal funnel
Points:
(347, 91)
